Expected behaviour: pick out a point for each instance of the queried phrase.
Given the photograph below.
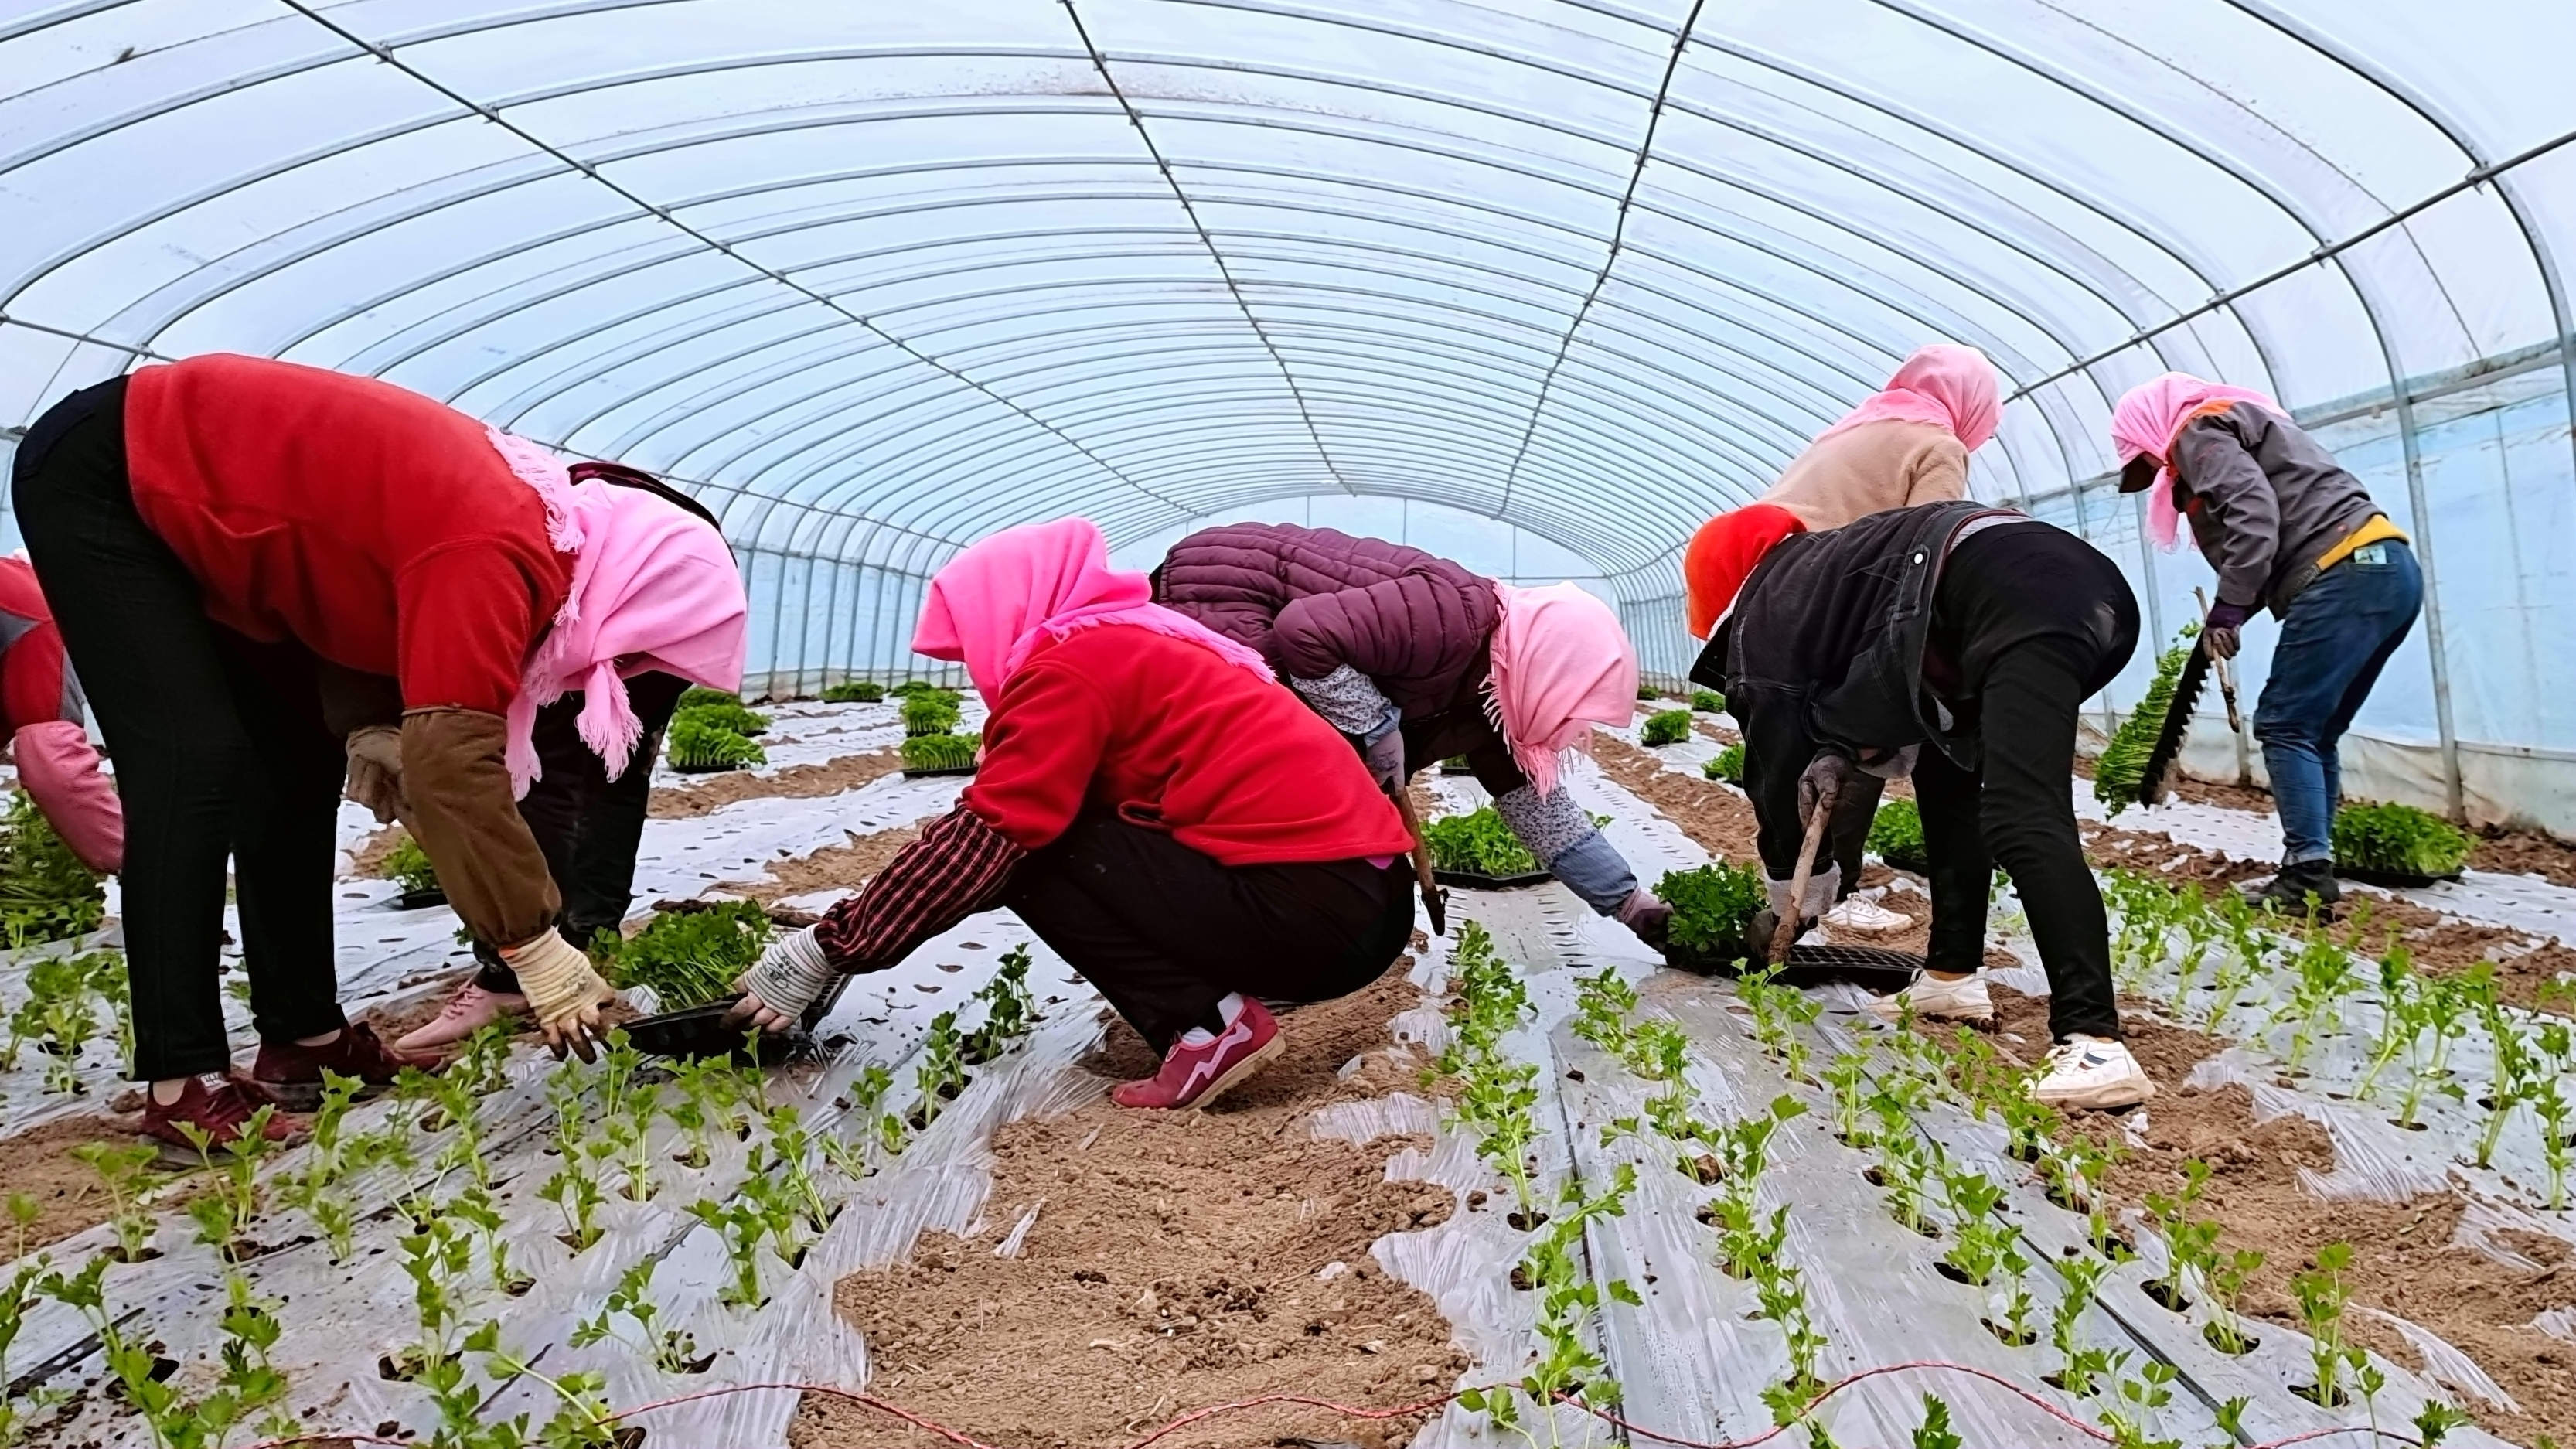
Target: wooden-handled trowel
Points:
(1435, 902)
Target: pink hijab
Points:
(1946, 385)
(2144, 423)
(1560, 665)
(997, 600)
(653, 587)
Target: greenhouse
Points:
(1198, 856)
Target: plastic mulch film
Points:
(2447, 1365)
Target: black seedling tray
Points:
(2393, 879)
(1479, 881)
(701, 1031)
(419, 900)
(1449, 769)
(706, 769)
(1872, 968)
(912, 774)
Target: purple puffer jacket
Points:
(1313, 599)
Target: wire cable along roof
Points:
(877, 279)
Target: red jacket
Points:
(376, 527)
(1169, 735)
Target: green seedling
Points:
(124, 1169)
(2139, 1406)
(2120, 771)
(695, 745)
(1712, 907)
(2323, 973)
(2322, 1294)
(1478, 842)
(739, 1225)
(673, 1350)
(46, 893)
(1727, 767)
(942, 751)
(2189, 1242)
(1979, 1237)
(2225, 1276)
(476, 1207)
(2080, 1363)
(932, 712)
(409, 866)
(1707, 701)
(1665, 727)
(727, 714)
(853, 691)
(2399, 839)
(1896, 837)
(689, 958)
(1847, 1075)
(224, 1213)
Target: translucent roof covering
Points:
(878, 278)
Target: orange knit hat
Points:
(1723, 552)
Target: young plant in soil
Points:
(853, 691)
(1601, 1007)
(1564, 1367)
(59, 1015)
(124, 1169)
(225, 1211)
(1980, 1238)
(2140, 1404)
(1707, 701)
(942, 1073)
(1846, 1075)
(2322, 974)
(2079, 1363)
(1665, 727)
(2322, 1294)
(1010, 1009)
(739, 1226)
(2400, 1018)
(2189, 1242)
(1727, 768)
(2225, 1276)
(476, 1207)
(574, 1187)
(408, 866)
(435, 1256)
(673, 1350)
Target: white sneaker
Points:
(1868, 918)
(2086, 1071)
(1931, 997)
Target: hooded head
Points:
(653, 588)
(1723, 554)
(999, 598)
(1559, 665)
(2143, 425)
(1946, 385)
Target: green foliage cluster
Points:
(2122, 769)
(940, 752)
(1896, 836)
(725, 714)
(1665, 727)
(1708, 701)
(911, 687)
(695, 744)
(699, 696)
(2399, 839)
(688, 958)
(408, 866)
(1645, 692)
(46, 894)
(1712, 906)
(1478, 841)
(853, 691)
(1728, 766)
(930, 712)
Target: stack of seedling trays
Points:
(2398, 846)
(1477, 851)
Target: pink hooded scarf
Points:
(1001, 597)
(1946, 385)
(1560, 665)
(2144, 423)
(653, 588)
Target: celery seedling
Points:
(2321, 1294)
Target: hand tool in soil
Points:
(1435, 903)
(2226, 674)
(1787, 931)
(2166, 756)
(702, 1031)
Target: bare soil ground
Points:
(836, 867)
(368, 860)
(1177, 1260)
(68, 1195)
(832, 777)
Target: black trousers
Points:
(2019, 812)
(1165, 932)
(587, 825)
(220, 747)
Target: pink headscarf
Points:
(2144, 423)
(1946, 385)
(1560, 665)
(653, 588)
(996, 601)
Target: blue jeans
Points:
(2339, 633)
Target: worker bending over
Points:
(2288, 530)
(1960, 640)
(226, 538)
(43, 716)
(1905, 445)
(1176, 826)
(1415, 659)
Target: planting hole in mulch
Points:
(1176, 1260)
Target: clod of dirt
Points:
(1177, 1260)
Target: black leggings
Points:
(220, 750)
(2019, 812)
(1165, 932)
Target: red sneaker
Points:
(293, 1074)
(1193, 1076)
(220, 1106)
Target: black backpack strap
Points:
(625, 477)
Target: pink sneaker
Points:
(470, 1010)
(1193, 1076)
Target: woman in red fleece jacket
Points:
(235, 549)
(1181, 830)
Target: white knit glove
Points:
(375, 772)
(1822, 886)
(562, 990)
(790, 973)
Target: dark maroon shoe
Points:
(293, 1074)
(1193, 1076)
(220, 1106)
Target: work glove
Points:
(1827, 768)
(1384, 753)
(1822, 887)
(563, 992)
(375, 772)
(2219, 632)
(790, 973)
(1891, 764)
(1646, 915)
